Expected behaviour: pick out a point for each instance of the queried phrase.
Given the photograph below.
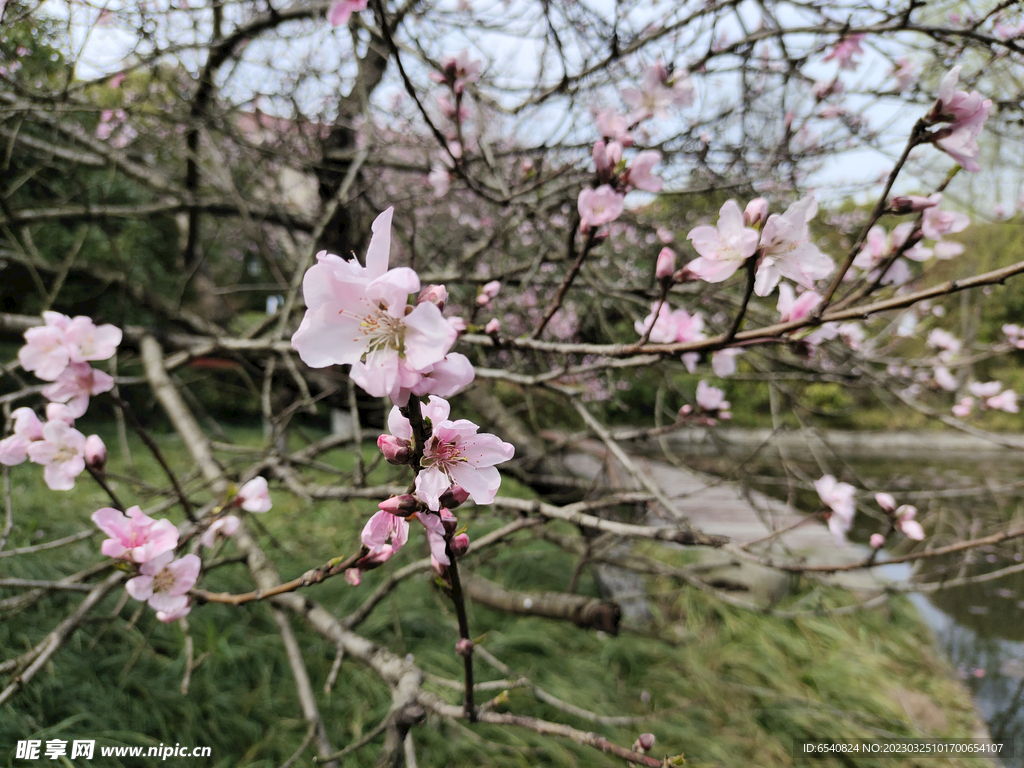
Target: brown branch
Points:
(584, 612)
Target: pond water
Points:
(980, 627)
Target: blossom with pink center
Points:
(600, 206)
(135, 537)
(27, 430)
(723, 249)
(787, 250)
(937, 223)
(847, 52)
(665, 266)
(966, 114)
(839, 498)
(340, 11)
(385, 530)
(657, 92)
(358, 315)
(75, 385)
(671, 326)
(164, 583)
(907, 525)
(46, 351)
(61, 452)
(453, 455)
(792, 308)
(225, 526)
(86, 341)
(640, 173)
(458, 71)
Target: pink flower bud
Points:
(886, 502)
(353, 576)
(95, 452)
(756, 212)
(483, 299)
(395, 449)
(400, 506)
(435, 294)
(877, 540)
(460, 545)
(454, 497)
(666, 264)
(493, 326)
(490, 290)
(911, 203)
(646, 741)
(464, 646)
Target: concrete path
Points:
(723, 508)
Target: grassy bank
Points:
(722, 686)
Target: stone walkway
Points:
(723, 508)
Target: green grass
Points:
(724, 687)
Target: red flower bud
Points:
(395, 450)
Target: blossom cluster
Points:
(60, 351)
(147, 546)
(362, 316)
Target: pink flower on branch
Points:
(787, 250)
(254, 496)
(838, 497)
(454, 454)
(385, 530)
(61, 452)
(46, 351)
(135, 537)
(164, 583)
(724, 249)
(600, 206)
(792, 308)
(225, 526)
(966, 114)
(27, 430)
(359, 316)
(75, 385)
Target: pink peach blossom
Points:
(847, 52)
(357, 315)
(27, 430)
(666, 264)
(61, 452)
(839, 498)
(164, 583)
(640, 173)
(724, 249)
(454, 455)
(87, 342)
(599, 206)
(792, 308)
(340, 11)
(75, 385)
(136, 537)
(787, 250)
(383, 529)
